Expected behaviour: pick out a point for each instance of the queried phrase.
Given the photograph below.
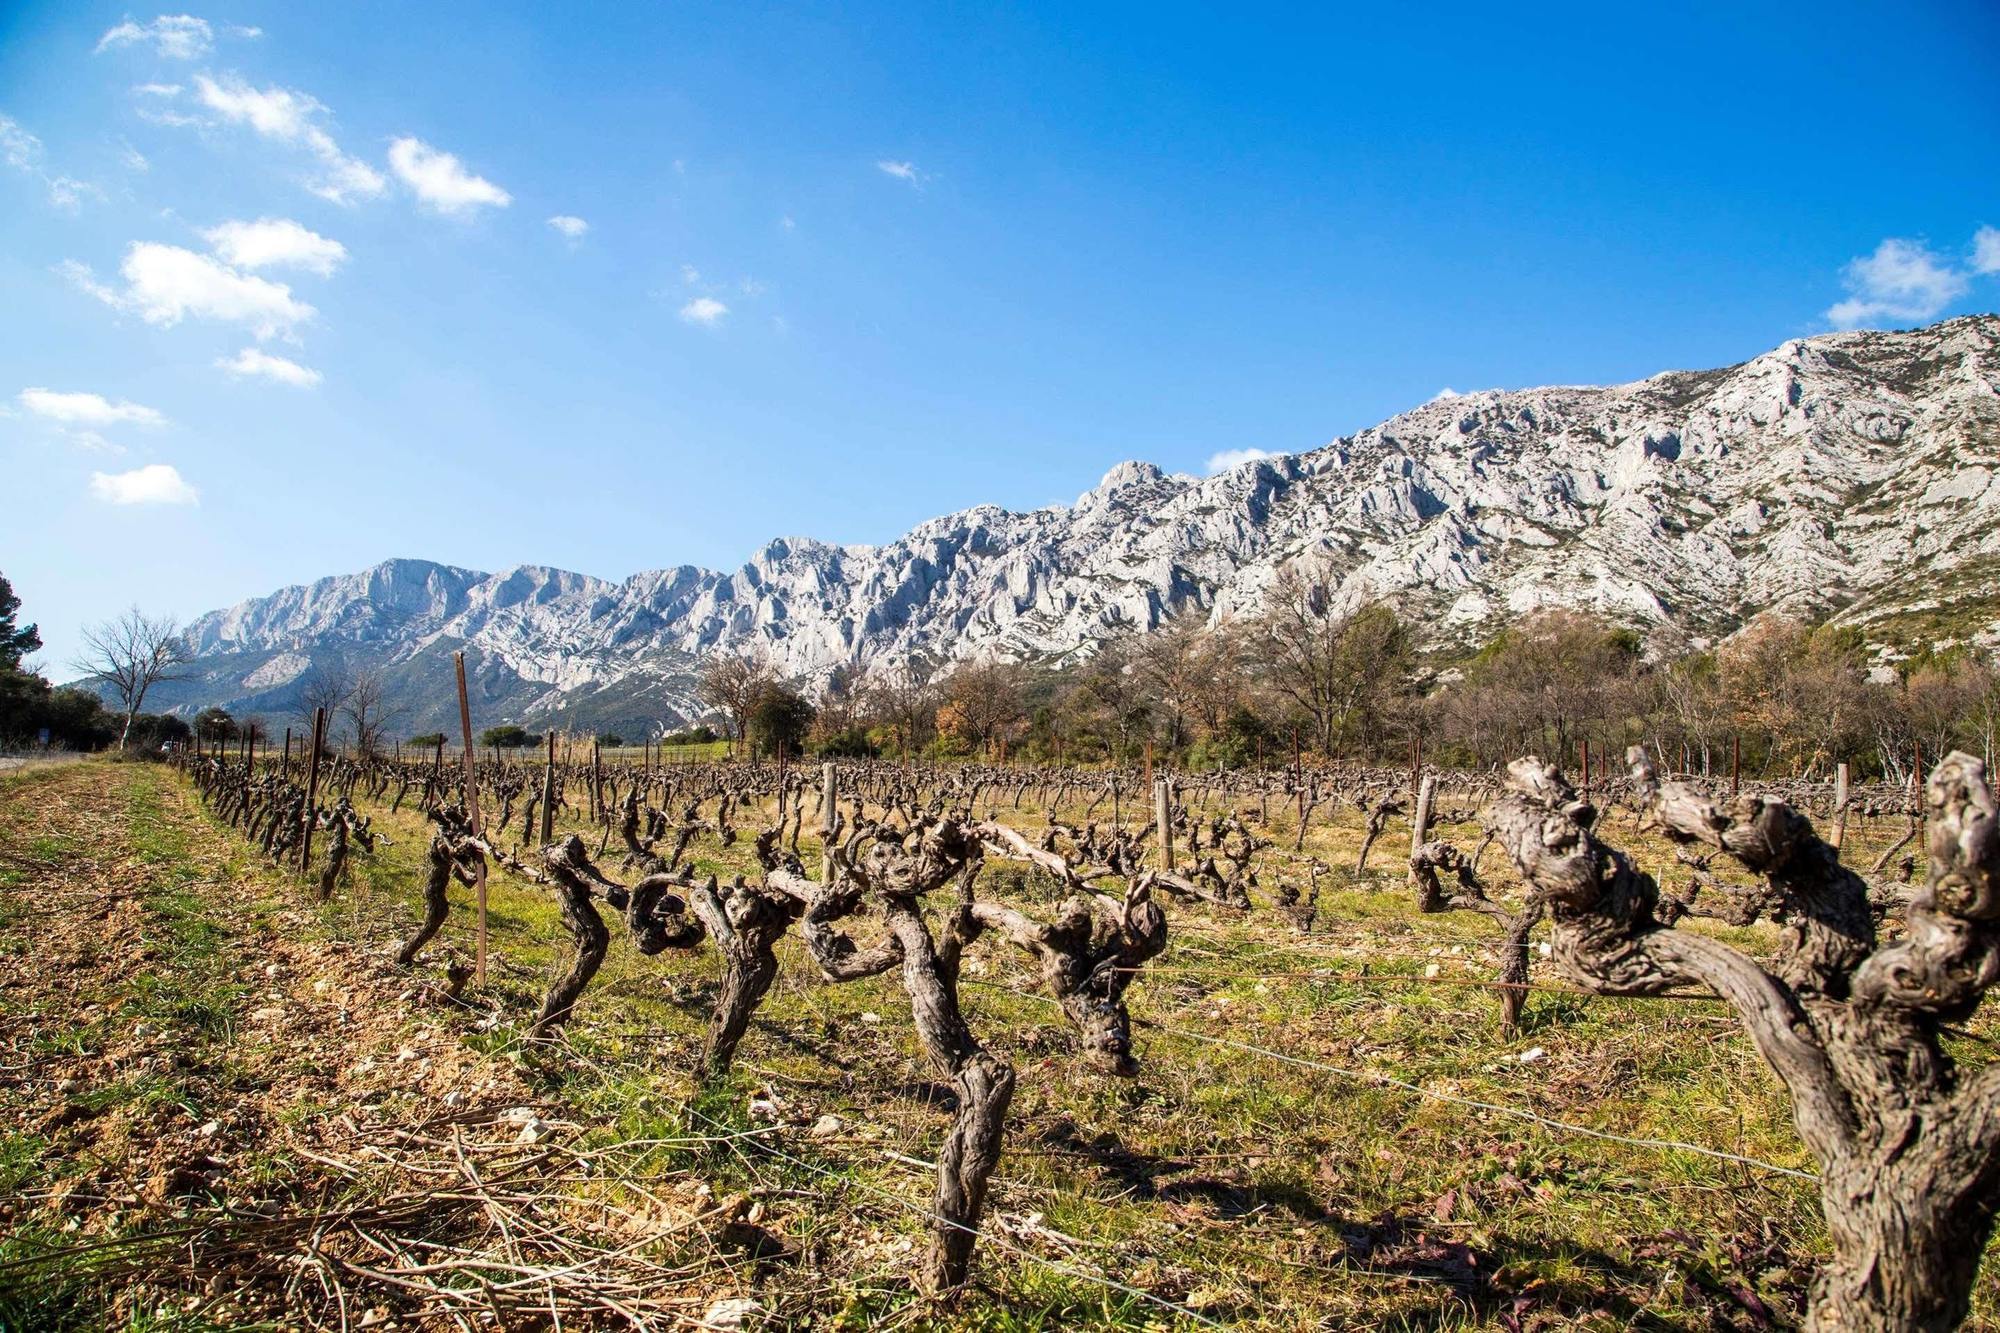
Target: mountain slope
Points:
(1848, 474)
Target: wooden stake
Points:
(1735, 764)
(1420, 823)
(1839, 807)
(312, 787)
(472, 812)
(1161, 803)
(830, 793)
(549, 793)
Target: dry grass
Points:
(1242, 1187)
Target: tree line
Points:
(1318, 670)
(1323, 672)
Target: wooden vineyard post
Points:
(1420, 823)
(1735, 764)
(1161, 806)
(285, 771)
(312, 788)
(472, 814)
(830, 793)
(1839, 806)
(1583, 761)
(549, 793)
(596, 781)
(1299, 775)
(1149, 763)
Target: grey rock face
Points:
(1850, 474)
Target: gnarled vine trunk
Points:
(1909, 1150)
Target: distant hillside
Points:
(1850, 474)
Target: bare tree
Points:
(905, 700)
(733, 686)
(367, 709)
(129, 656)
(1336, 663)
(324, 685)
(1173, 663)
(982, 701)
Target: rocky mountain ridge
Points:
(1850, 474)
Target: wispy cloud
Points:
(172, 36)
(704, 310)
(440, 180)
(902, 171)
(254, 363)
(572, 228)
(291, 117)
(87, 409)
(275, 243)
(1986, 251)
(154, 484)
(19, 149)
(1903, 280)
(165, 284)
(1231, 459)
(22, 151)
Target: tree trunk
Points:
(1906, 1248)
(985, 1087)
(586, 927)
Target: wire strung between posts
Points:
(1386, 1080)
(1399, 979)
(987, 1236)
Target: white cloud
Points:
(704, 310)
(902, 171)
(21, 149)
(172, 36)
(292, 117)
(787, 223)
(1230, 459)
(572, 228)
(87, 409)
(1445, 393)
(23, 152)
(90, 442)
(441, 180)
(164, 284)
(247, 33)
(251, 361)
(154, 484)
(158, 89)
(1986, 250)
(68, 193)
(690, 274)
(1903, 280)
(134, 159)
(275, 243)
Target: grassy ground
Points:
(1228, 1179)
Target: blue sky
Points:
(281, 293)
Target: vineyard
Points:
(464, 1041)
